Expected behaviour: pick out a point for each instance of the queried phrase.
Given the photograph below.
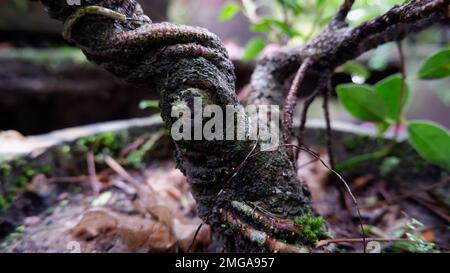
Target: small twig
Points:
(326, 112)
(306, 164)
(286, 20)
(432, 208)
(303, 118)
(438, 200)
(403, 89)
(345, 8)
(92, 173)
(115, 166)
(71, 179)
(197, 231)
(355, 202)
(419, 190)
(316, 23)
(414, 193)
(358, 240)
(238, 169)
(132, 146)
(291, 99)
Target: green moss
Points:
(22, 181)
(64, 203)
(5, 169)
(312, 228)
(50, 210)
(101, 143)
(46, 169)
(29, 172)
(13, 237)
(65, 149)
(4, 204)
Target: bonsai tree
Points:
(249, 195)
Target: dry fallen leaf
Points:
(161, 223)
(95, 222)
(138, 233)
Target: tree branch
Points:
(185, 64)
(345, 8)
(291, 99)
(338, 44)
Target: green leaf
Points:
(253, 48)
(229, 11)
(362, 102)
(390, 89)
(432, 141)
(320, 3)
(266, 25)
(293, 5)
(382, 127)
(21, 5)
(437, 66)
(145, 104)
(263, 26)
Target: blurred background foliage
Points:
(299, 20)
(295, 22)
(248, 28)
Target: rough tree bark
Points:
(254, 202)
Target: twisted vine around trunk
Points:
(252, 202)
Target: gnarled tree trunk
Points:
(242, 192)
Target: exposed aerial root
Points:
(268, 222)
(261, 238)
(292, 97)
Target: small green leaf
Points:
(263, 26)
(390, 89)
(266, 25)
(145, 104)
(229, 11)
(432, 141)
(362, 102)
(253, 48)
(389, 164)
(437, 66)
